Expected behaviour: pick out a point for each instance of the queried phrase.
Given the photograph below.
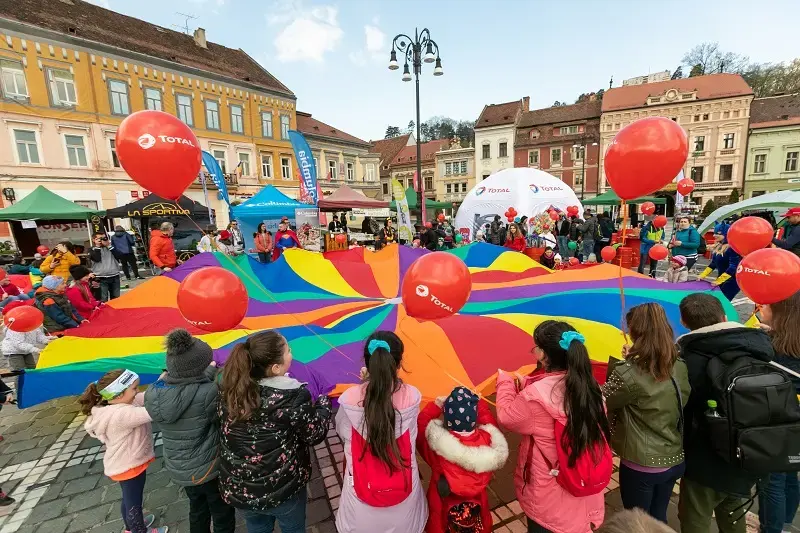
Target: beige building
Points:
(713, 110)
(454, 173)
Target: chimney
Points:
(526, 103)
(200, 37)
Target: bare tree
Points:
(708, 58)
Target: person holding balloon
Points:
(650, 235)
(686, 241)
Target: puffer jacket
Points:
(162, 250)
(265, 460)
(58, 311)
(58, 264)
(645, 414)
(186, 412)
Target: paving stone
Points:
(85, 500)
(27, 529)
(66, 418)
(81, 485)
(157, 481)
(53, 491)
(4, 460)
(21, 446)
(97, 468)
(73, 472)
(58, 525)
(316, 489)
(27, 455)
(160, 497)
(115, 526)
(89, 442)
(51, 429)
(173, 513)
(47, 441)
(52, 510)
(87, 518)
(113, 492)
(325, 527)
(317, 511)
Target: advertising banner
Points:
(308, 232)
(52, 234)
(308, 170)
(215, 171)
(405, 230)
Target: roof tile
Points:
(556, 115)
(313, 127)
(775, 111)
(707, 87)
(389, 148)
(408, 155)
(499, 114)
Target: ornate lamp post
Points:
(420, 49)
(582, 146)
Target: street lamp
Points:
(416, 51)
(583, 170)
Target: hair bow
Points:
(374, 344)
(568, 336)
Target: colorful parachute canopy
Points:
(327, 305)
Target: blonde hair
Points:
(634, 521)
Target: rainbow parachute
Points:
(326, 305)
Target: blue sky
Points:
(333, 53)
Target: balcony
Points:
(713, 185)
(454, 196)
(698, 153)
(727, 152)
(231, 180)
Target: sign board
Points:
(28, 224)
(145, 193)
(381, 212)
(308, 232)
(134, 194)
(794, 180)
(52, 234)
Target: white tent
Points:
(776, 201)
(529, 191)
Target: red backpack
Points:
(374, 482)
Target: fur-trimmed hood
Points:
(477, 458)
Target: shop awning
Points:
(155, 206)
(43, 204)
(346, 198)
(611, 198)
(269, 202)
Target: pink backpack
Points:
(375, 484)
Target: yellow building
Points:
(454, 173)
(72, 71)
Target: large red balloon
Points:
(660, 221)
(572, 210)
(23, 319)
(440, 218)
(648, 208)
(749, 234)
(769, 275)
(436, 285)
(608, 253)
(213, 299)
(42, 249)
(658, 252)
(685, 186)
(159, 152)
(573, 261)
(645, 156)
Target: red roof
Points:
(775, 111)
(708, 87)
(499, 114)
(408, 155)
(562, 114)
(315, 128)
(389, 148)
(346, 198)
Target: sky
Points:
(333, 54)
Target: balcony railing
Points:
(713, 185)
(727, 152)
(232, 180)
(454, 196)
(698, 153)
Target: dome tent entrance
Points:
(269, 205)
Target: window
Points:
(266, 166)
(332, 170)
(428, 183)
(697, 118)
(286, 167)
(385, 188)
(220, 156)
(237, 123)
(266, 124)
(760, 164)
(727, 141)
(184, 102)
(503, 149)
(463, 167)
(284, 126)
(726, 114)
(700, 143)
(411, 183)
(791, 161)
(152, 98)
(533, 157)
(705, 116)
(27, 147)
(62, 88)
(118, 93)
(370, 172)
(697, 174)
(577, 180)
(76, 151)
(725, 172)
(13, 79)
(555, 156)
(464, 187)
(578, 152)
(448, 188)
(212, 115)
(114, 158)
(244, 163)
(758, 193)
(485, 175)
(351, 172)
(569, 130)
(487, 152)
(448, 169)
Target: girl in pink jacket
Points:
(532, 409)
(118, 419)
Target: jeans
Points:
(690, 261)
(129, 260)
(131, 507)
(644, 260)
(265, 257)
(205, 504)
(109, 288)
(21, 297)
(563, 246)
(698, 503)
(291, 516)
(649, 492)
(778, 499)
(588, 248)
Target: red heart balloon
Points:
(608, 253)
(159, 152)
(441, 217)
(572, 210)
(685, 186)
(660, 221)
(42, 249)
(213, 299)
(436, 285)
(658, 252)
(648, 208)
(553, 215)
(749, 234)
(769, 275)
(23, 319)
(644, 156)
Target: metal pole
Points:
(417, 69)
(205, 194)
(583, 171)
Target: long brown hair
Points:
(653, 349)
(91, 396)
(518, 233)
(248, 363)
(784, 326)
(379, 412)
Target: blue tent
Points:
(268, 206)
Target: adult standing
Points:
(343, 221)
(514, 239)
(606, 232)
(209, 241)
(650, 236)
(575, 236)
(334, 226)
(59, 260)
(124, 245)
(388, 233)
(237, 239)
(162, 250)
(105, 267)
(686, 241)
(791, 233)
(562, 233)
(284, 238)
(590, 230)
(264, 243)
(497, 234)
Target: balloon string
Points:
(624, 228)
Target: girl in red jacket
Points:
(515, 239)
(463, 451)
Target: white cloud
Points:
(307, 34)
(375, 45)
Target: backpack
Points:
(758, 422)
(462, 514)
(374, 483)
(703, 248)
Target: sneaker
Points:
(6, 499)
(162, 529)
(148, 521)
(139, 277)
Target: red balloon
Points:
(3, 274)
(660, 221)
(159, 152)
(608, 253)
(573, 261)
(645, 156)
(428, 225)
(572, 210)
(436, 285)
(769, 275)
(213, 299)
(685, 186)
(42, 249)
(23, 319)
(440, 217)
(648, 208)
(553, 215)
(658, 252)
(340, 238)
(749, 234)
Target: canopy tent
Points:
(346, 198)
(269, 202)
(772, 201)
(155, 206)
(43, 204)
(611, 198)
(413, 201)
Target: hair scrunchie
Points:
(568, 336)
(374, 344)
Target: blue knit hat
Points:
(461, 410)
(51, 283)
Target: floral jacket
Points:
(266, 460)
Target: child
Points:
(463, 451)
(21, 348)
(268, 424)
(34, 273)
(10, 293)
(548, 258)
(80, 292)
(677, 271)
(183, 402)
(558, 262)
(58, 311)
(377, 422)
(354, 244)
(118, 419)
(592, 259)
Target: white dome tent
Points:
(529, 191)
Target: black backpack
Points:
(703, 247)
(758, 427)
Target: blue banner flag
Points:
(214, 169)
(308, 170)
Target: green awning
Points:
(42, 204)
(412, 196)
(611, 198)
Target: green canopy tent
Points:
(774, 201)
(412, 199)
(611, 198)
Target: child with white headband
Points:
(118, 419)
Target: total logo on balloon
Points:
(146, 141)
(422, 290)
(747, 270)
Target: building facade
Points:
(773, 152)
(494, 136)
(454, 174)
(650, 78)
(71, 72)
(403, 167)
(387, 150)
(714, 111)
(562, 141)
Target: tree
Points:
(392, 131)
(707, 58)
(697, 70)
(767, 79)
(709, 208)
(588, 96)
(678, 74)
(734, 196)
(411, 126)
(559, 104)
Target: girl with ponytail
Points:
(268, 423)
(377, 422)
(567, 396)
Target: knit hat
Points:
(681, 260)
(79, 272)
(461, 410)
(187, 357)
(37, 256)
(224, 235)
(51, 283)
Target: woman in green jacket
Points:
(645, 395)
